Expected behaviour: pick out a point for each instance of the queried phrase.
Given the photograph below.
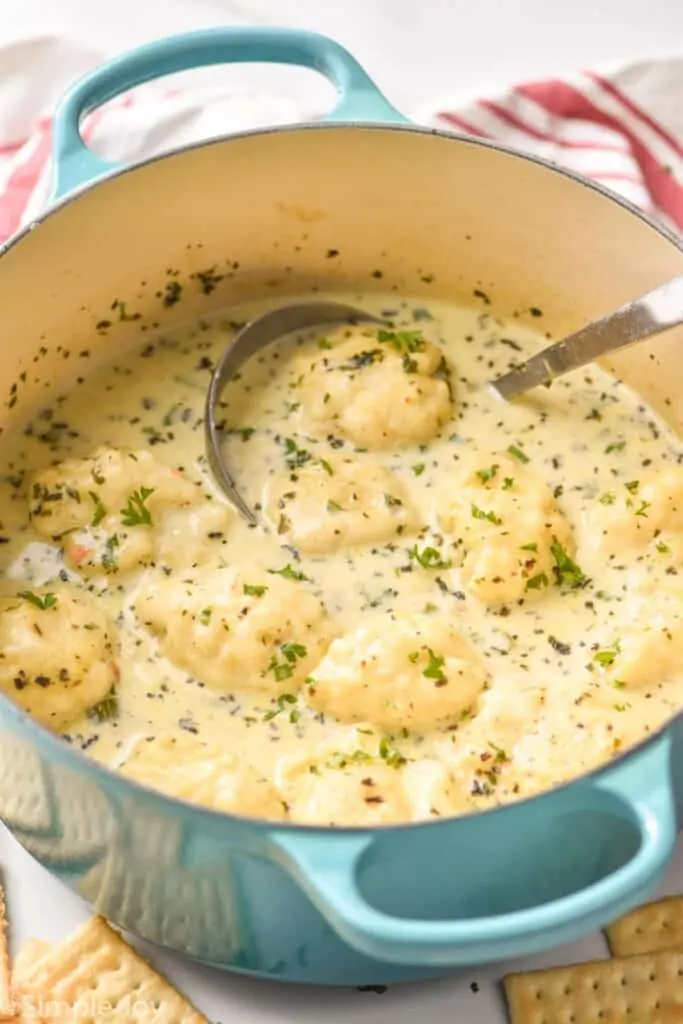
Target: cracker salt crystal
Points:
(645, 989)
(95, 977)
(648, 929)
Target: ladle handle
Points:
(657, 311)
(75, 164)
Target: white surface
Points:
(416, 50)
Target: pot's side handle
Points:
(359, 98)
(326, 866)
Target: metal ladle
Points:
(653, 313)
(657, 311)
(258, 333)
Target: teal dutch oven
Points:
(360, 201)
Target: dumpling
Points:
(635, 514)
(479, 752)
(431, 789)
(415, 672)
(647, 649)
(511, 539)
(189, 768)
(339, 502)
(364, 781)
(238, 629)
(193, 537)
(73, 493)
(565, 745)
(57, 654)
(356, 794)
(377, 388)
(118, 509)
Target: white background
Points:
(417, 50)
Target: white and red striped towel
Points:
(623, 128)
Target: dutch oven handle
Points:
(326, 865)
(359, 98)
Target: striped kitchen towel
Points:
(623, 128)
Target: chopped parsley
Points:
(488, 474)
(418, 468)
(295, 457)
(281, 670)
(403, 341)
(428, 558)
(518, 453)
(389, 754)
(565, 569)
(339, 760)
(326, 466)
(244, 432)
(491, 517)
(508, 483)
(608, 498)
(361, 359)
(558, 645)
(663, 548)
(100, 511)
(538, 582)
(136, 512)
(616, 446)
(642, 509)
(252, 591)
(390, 501)
(44, 603)
(632, 486)
(109, 556)
(285, 669)
(205, 616)
(532, 546)
(606, 657)
(124, 314)
(288, 573)
(332, 506)
(106, 709)
(500, 754)
(281, 704)
(293, 651)
(434, 669)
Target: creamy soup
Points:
(449, 602)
